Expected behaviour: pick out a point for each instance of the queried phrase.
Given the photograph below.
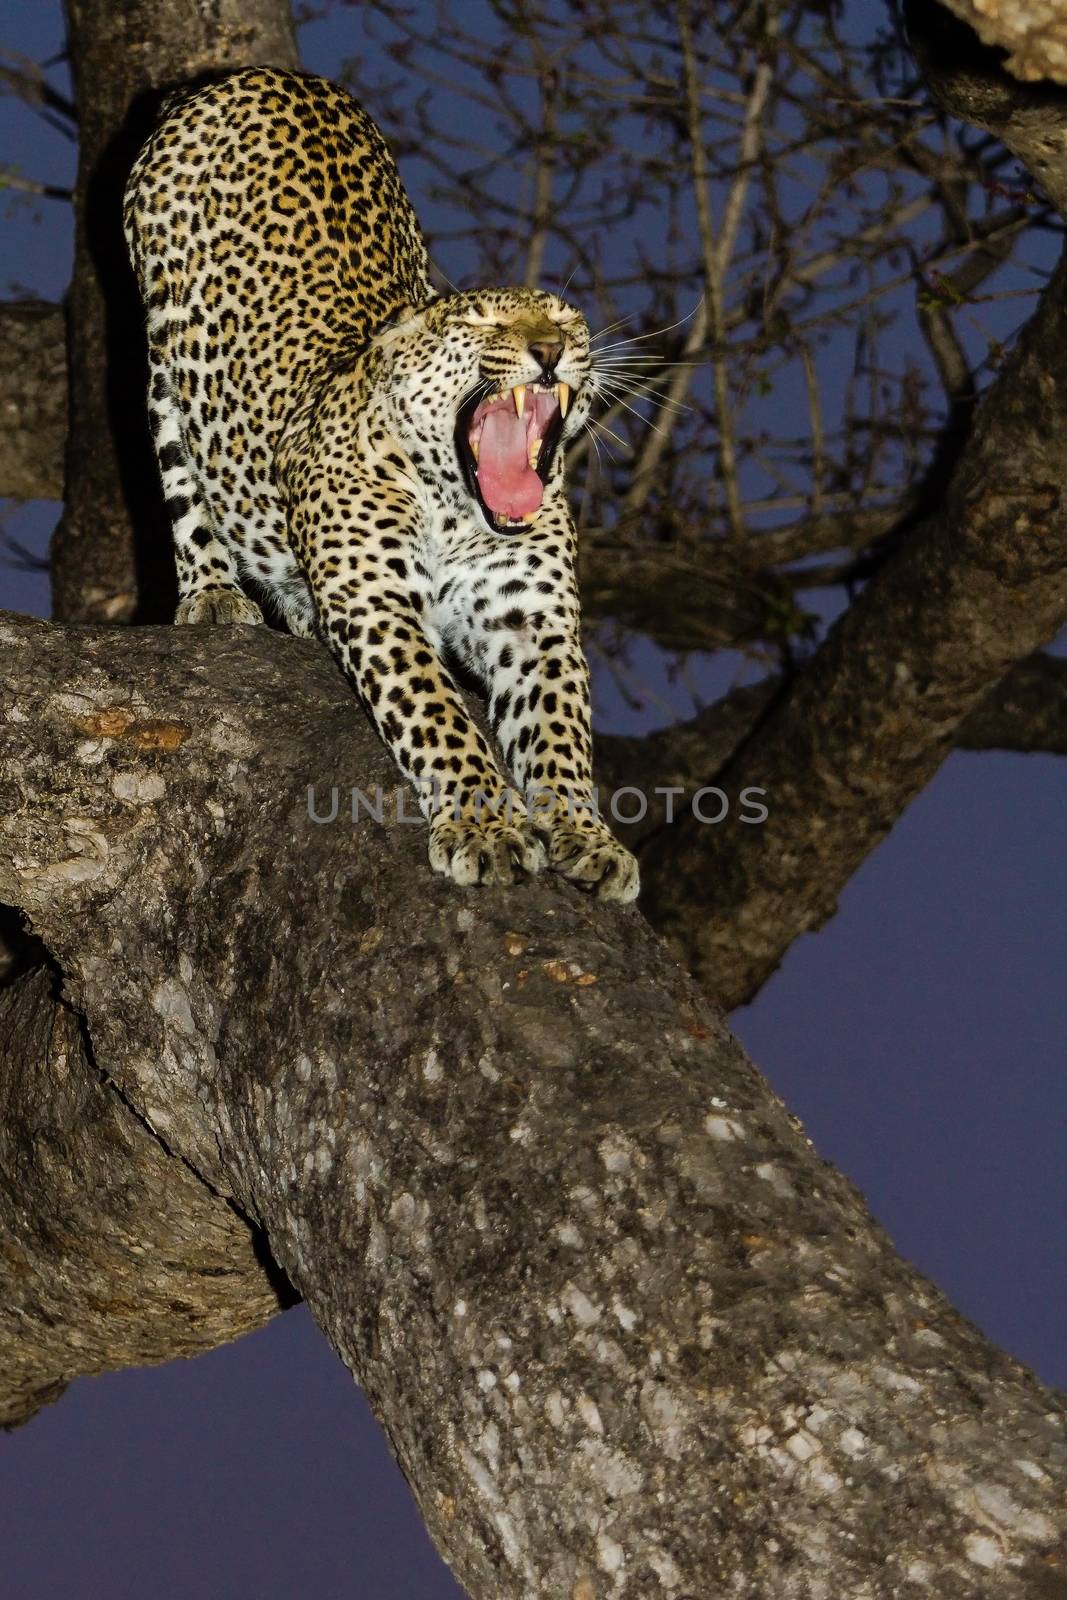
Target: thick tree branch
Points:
(1026, 713)
(628, 1334)
(690, 597)
(977, 587)
(33, 400)
(969, 80)
(684, 758)
(1034, 35)
(112, 1253)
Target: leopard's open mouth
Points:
(505, 446)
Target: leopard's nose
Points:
(546, 353)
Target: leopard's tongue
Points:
(510, 486)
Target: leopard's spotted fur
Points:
(311, 401)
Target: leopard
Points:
(374, 463)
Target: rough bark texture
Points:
(1032, 32)
(123, 57)
(33, 401)
(1027, 711)
(969, 80)
(976, 588)
(628, 1334)
(112, 1253)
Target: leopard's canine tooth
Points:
(519, 394)
(563, 394)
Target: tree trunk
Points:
(627, 1333)
(123, 57)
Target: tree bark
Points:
(123, 57)
(1025, 713)
(33, 400)
(972, 80)
(1033, 35)
(627, 1333)
(112, 1252)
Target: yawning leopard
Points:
(382, 464)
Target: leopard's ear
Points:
(408, 309)
(390, 327)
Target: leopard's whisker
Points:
(596, 446)
(637, 387)
(619, 323)
(562, 292)
(619, 401)
(638, 381)
(640, 338)
(602, 427)
(647, 391)
(641, 361)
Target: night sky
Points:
(919, 1037)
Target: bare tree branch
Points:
(681, 759)
(969, 80)
(1027, 711)
(545, 158)
(977, 587)
(717, 249)
(24, 78)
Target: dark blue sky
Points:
(919, 1037)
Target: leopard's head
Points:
(499, 377)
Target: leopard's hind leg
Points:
(208, 586)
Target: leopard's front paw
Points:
(487, 850)
(218, 605)
(591, 855)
